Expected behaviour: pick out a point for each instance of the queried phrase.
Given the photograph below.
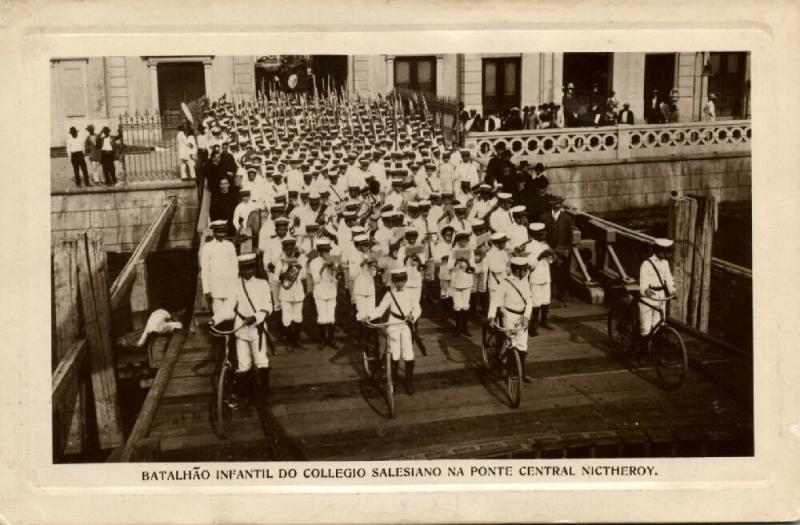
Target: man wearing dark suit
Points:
(223, 203)
(626, 115)
(558, 227)
(652, 111)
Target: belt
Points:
(518, 312)
(396, 316)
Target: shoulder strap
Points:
(660, 280)
(402, 314)
(517, 290)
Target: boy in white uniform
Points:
(251, 305)
(497, 261)
(513, 299)
(441, 252)
(218, 267)
(655, 282)
(324, 274)
(290, 269)
(402, 308)
(461, 280)
(539, 258)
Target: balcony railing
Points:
(616, 142)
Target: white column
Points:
(390, 72)
(439, 75)
(153, 70)
(207, 79)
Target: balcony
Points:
(616, 143)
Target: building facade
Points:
(98, 90)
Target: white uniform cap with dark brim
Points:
(664, 243)
(358, 230)
(323, 244)
(460, 206)
(246, 259)
(281, 221)
(485, 187)
(519, 261)
(314, 196)
(361, 238)
(387, 215)
(503, 196)
(218, 224)
(476, 223)
(519, 210)
(413, 205)
(424, 203)
(498, 236)
(288, 240)
(462, 233)
(536, 226)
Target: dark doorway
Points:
(501, 81)
(329, 70)
(659, 73)
(727, 81)
(585, 69)
(181, 82)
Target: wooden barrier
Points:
(80, 277)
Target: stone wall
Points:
(124, 215)
(612, 186)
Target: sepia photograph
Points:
(528, 255)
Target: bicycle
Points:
(665, 346)
(501, 355)
(379, 366)
(222, 409)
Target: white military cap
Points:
(314, 195)
(246, 259)
(519, 261)
(476, 223)
(361, 238)
(460, 206)
(503, 195)
(221, 223)
(519, 209)
(498, 236)
(424, 203)
(536, 226)
(387, 215)
(358, 230)
(323, 243)
(664, 243)
(398, 272)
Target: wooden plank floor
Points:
(323, 407)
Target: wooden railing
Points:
(616, 142)
(81, 283)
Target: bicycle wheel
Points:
(488, 345)
(670, 358)
(369, 363)
(389, 384)
(514, 376)
(224, 411)
(621, 326)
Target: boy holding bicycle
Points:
(513, 299)
(655, 284)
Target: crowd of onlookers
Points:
(100, 149)
(594, 109)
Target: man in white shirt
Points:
(186, 153)
(513, 298)
(323, 271)
(76, 157)
(710, 109)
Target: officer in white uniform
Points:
(323, 272)
(461, 270)
(655, 282)
(513, 299)
(539, 258)
(218, 267)
(251, 305)
(500, 220)
(518, 232)
(402, 307)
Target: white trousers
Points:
(219, 305)
(188, 165)
(276, 289)
(96, 171)
(416, 293)
(649, 317)
(326, 310)
(444, 288)
(399, 337)
(540, 294)
(460, 298)
(291, 312)
(364, 306)
(248, 352)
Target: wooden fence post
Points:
(701, 265)
(682, 214)
(96, 306)
(69, 422)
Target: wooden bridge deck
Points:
(583, 401)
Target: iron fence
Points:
(151, 150)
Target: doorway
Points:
(586, 69)
(180, 82)
(330, 70)
(659, 73)
(501, 83)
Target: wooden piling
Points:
(682, 216)
(96, 307)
